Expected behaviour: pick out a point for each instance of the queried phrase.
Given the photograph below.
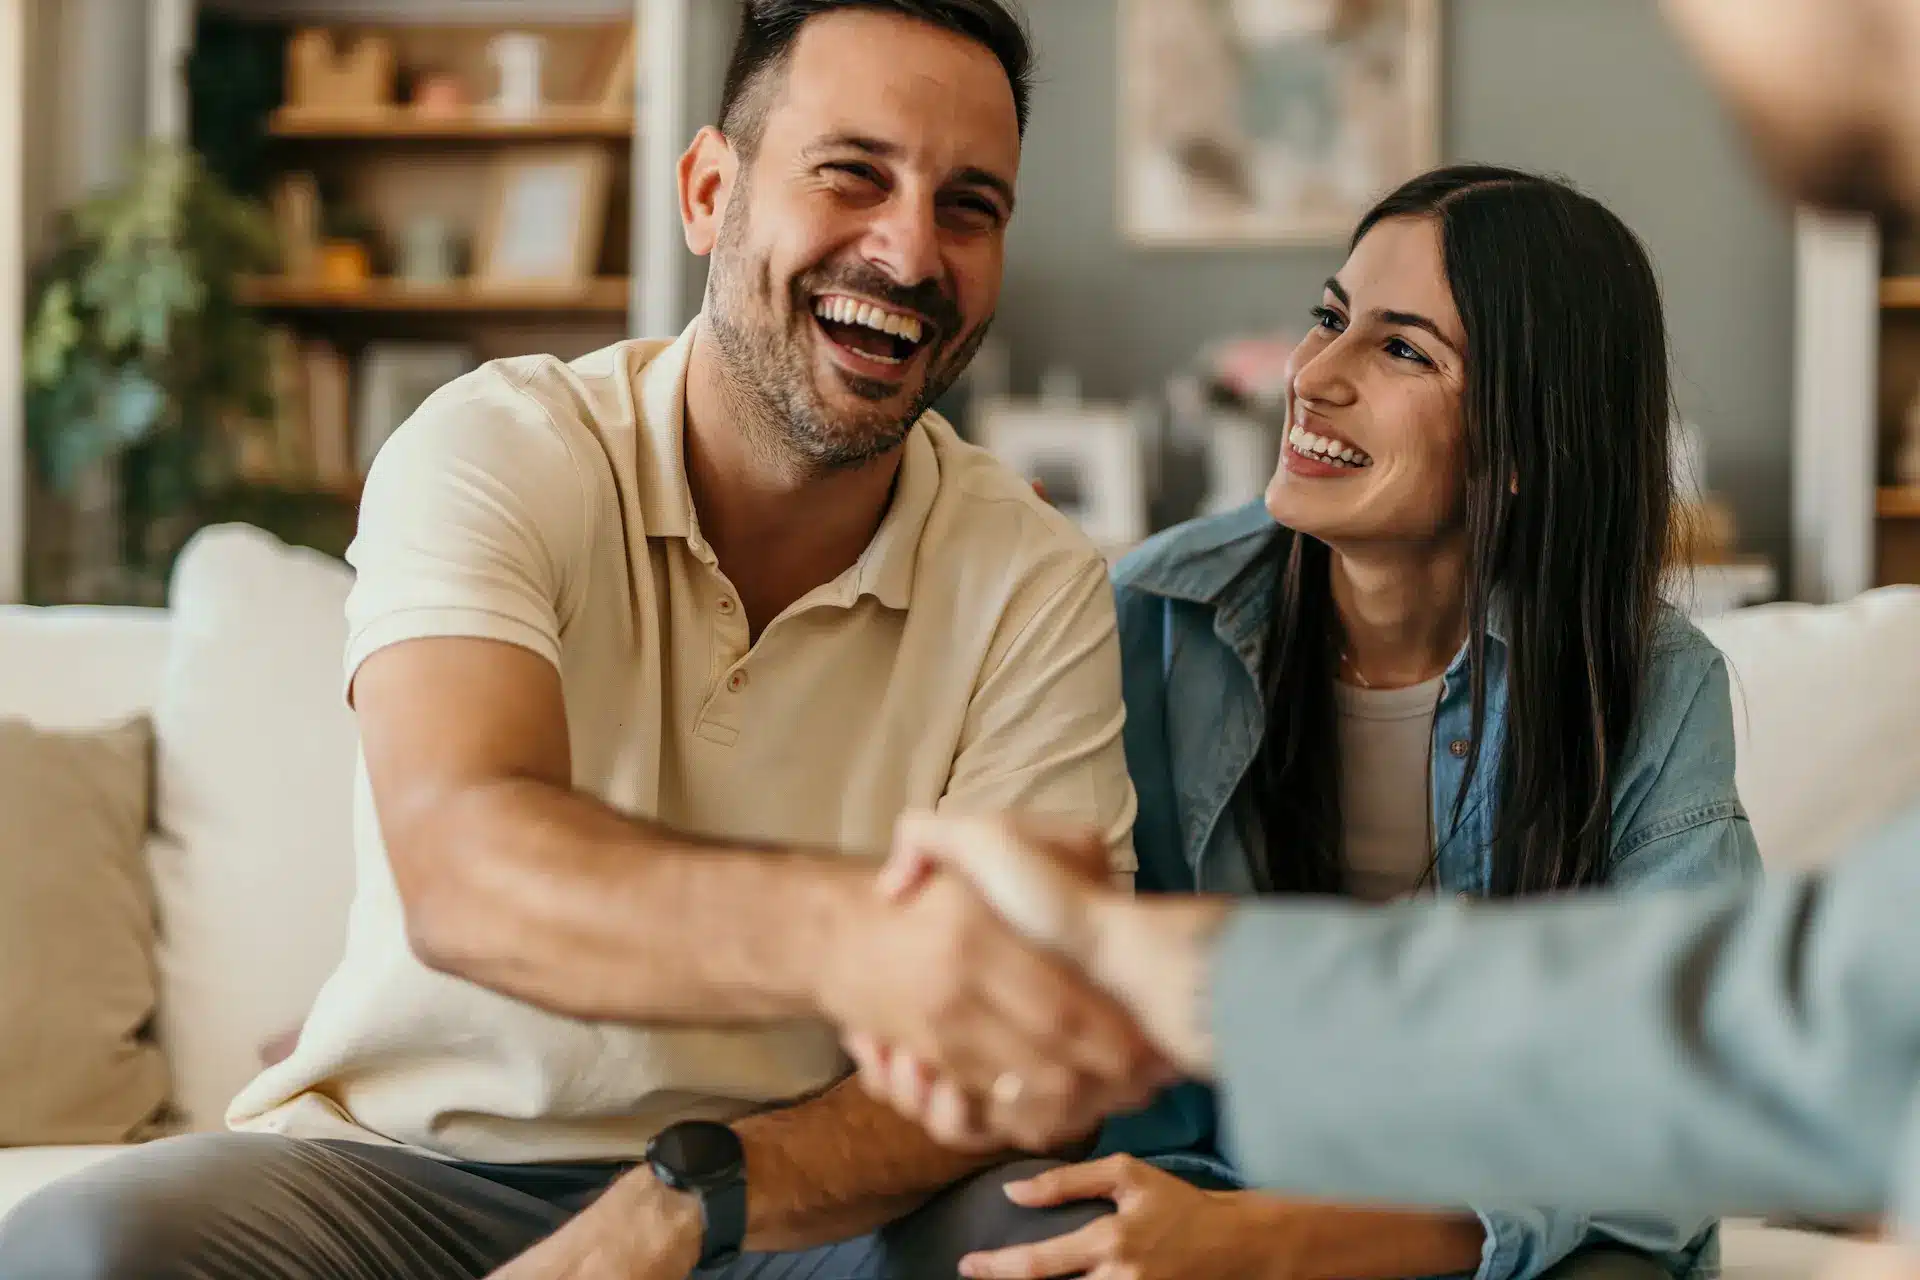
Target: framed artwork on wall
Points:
(1270, 122)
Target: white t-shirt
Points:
(968, 660)
(1386, 746)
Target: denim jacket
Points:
(1194, 619)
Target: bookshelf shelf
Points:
(1900, 503)
(605, 295)
(1900, 293)
(404, 125)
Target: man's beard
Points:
(771, 366)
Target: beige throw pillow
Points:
(77, 985)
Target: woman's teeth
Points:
(1322, 449)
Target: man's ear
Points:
(707, 173)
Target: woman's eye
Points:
(1329, 319)
(1400, 349)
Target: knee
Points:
(976, 1216)
(132, 1217)
(80, 1228)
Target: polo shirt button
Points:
(1458, 748)
(726, 604)
(736, 682)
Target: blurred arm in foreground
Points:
(1717, 1051)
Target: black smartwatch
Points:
(706, 1160)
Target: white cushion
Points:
(1827, 719)
(254, 867)
(24, 1170)
(1750, 1250)
(75, 667)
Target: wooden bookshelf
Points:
(401, 124)
(604, 295)
(1900, 503)
(1900, 293)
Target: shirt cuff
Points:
(1523, 1243)
(1904, 1194)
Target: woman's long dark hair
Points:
(1567, 390)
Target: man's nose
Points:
(904, 240)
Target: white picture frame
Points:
(1087, 458)
(395, 380)
(545, 217)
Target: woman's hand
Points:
(1162, 1229)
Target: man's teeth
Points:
(1319, 446)
(849, 311)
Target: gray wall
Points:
(1595, 90)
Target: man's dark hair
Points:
(769, 29)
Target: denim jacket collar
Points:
(1213, 563)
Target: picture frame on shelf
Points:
(395, 380)
(544, 218)
(1086, 458)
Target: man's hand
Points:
(638, 1230)
(1151, 955)
(1039, 877)
(936, 974)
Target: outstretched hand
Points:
(1046, 881)
(958, 991)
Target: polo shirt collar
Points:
(885, 569)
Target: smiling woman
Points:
(1433, 661)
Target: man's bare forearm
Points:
(838, 1166)
(551, 897)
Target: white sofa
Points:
(251, 856)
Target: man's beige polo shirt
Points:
(968, 660)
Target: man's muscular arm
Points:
(514, 880)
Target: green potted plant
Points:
(138, 352)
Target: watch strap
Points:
(723, 1212)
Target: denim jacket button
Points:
(1458, 748)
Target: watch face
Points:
(698, 1153)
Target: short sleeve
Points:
(473, 523)
(1043, 731)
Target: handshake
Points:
(1011, 996)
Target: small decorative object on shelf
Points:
(296, 223)
(1906, 460)
(428, 251)
(347, 249)
(517, 57)
(439, 95)
(322, 81)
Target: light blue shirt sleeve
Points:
(1678, 821)
(1730, 1049)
